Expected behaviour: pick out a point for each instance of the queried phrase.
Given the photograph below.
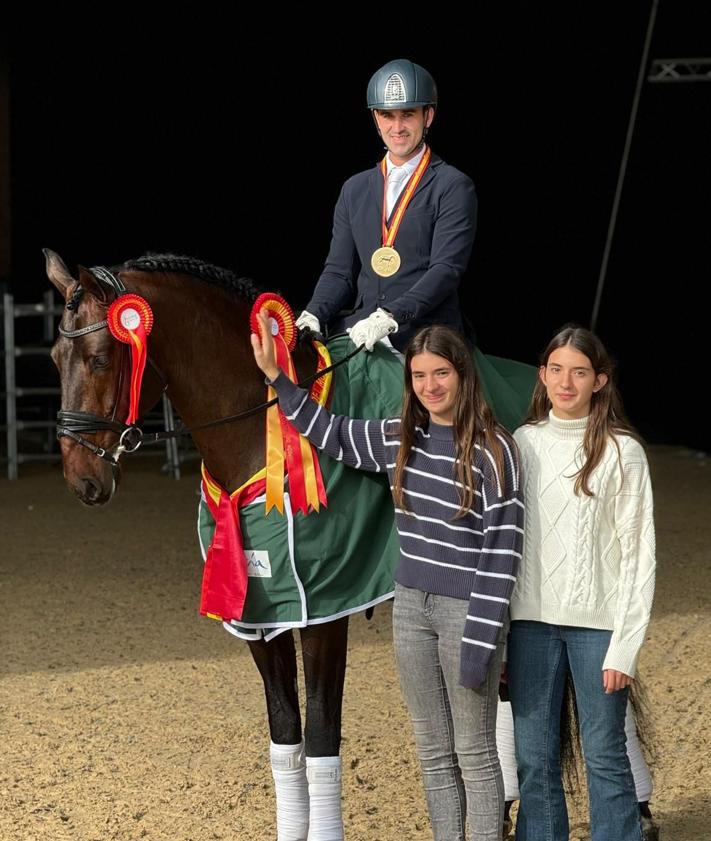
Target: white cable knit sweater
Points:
(587, 561)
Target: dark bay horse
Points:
(200, 354)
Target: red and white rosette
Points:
(286, 449)
(130, 320)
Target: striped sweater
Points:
(474, 557)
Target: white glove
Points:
(372, 329)
(308, 321)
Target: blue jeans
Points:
(539, 657)
(455, 727)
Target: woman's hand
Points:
(263, 347)
(612, 680)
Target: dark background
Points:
(205, 136)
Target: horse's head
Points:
(199, 354)
(93, 372)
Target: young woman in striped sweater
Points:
(583, 597)
(459, 514)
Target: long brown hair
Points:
(607, 414)
(473, 419)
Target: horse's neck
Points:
(200, 341)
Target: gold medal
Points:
(385, 261)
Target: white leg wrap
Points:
(292, 791)
(324, 776)
(507, 752)
(640, 769)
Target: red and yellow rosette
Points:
(130, 320)
(287, 451)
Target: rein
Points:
(184, 430)
(72, 424)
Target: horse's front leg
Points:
(276, 661)
(324, 649)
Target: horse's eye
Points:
(99, 362)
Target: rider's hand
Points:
(263, 347)
(306, 321)
(372, 329)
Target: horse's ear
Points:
(57, 272)
(90, 284)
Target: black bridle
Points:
(74, 425)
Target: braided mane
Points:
(244, 287)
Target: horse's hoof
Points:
(650, 830)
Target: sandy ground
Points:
(124, 715)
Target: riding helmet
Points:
(401, 84)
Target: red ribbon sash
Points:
(224, 578)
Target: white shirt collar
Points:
(408, 166)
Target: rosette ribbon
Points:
(130, 320)
(225, 579)
(287, 450)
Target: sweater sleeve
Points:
(634, 524)
(503, 519)
(362, 444)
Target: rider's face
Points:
(402, 131)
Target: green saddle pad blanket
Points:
(508, 387)
(311, 569)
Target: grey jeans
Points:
(455, 727)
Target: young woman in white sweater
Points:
(584, 592)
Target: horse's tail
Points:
(570, 747)
(571, 754)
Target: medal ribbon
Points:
(389, 234)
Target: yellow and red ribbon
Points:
(287, 451)
(389, 234)
(130, 320)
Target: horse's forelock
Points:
(75, 297)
